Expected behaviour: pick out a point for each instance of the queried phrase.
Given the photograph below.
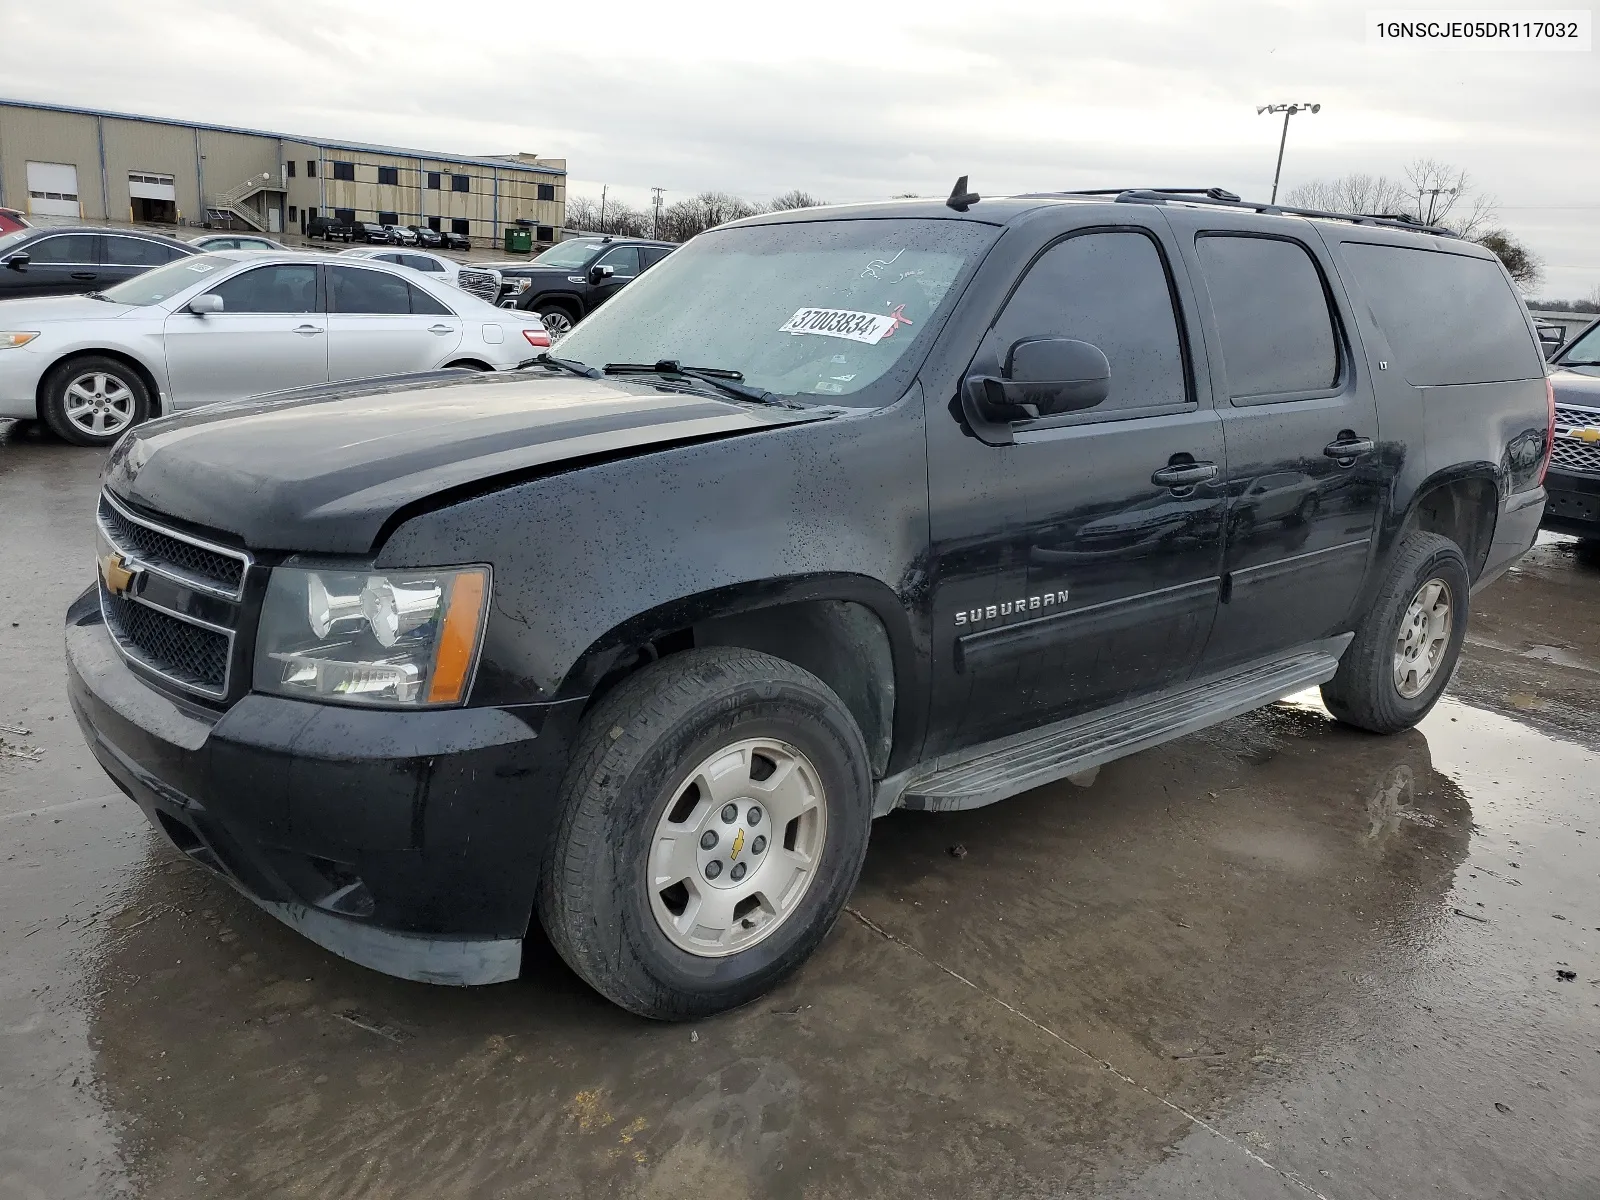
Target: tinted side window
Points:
(651, 255)
(1108, 289)
(421, 262)
(288, 288)
(67, 248)
(424, 304)
(624, 260)
(355, 291)
(1272, 315)
(1448, 318)
(136, 252)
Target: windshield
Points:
(812, 308)
(164, 282)
(11, 239)
(569, 254)
(1586, 349)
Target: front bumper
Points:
(408, 842)
(20, 371)
(1574, 505)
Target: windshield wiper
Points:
(1579, 362)
(571, 365)
(728, 382)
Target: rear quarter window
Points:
(1449, 318)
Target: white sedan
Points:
(235, 324)
(482, 282)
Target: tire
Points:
(558, 322)
(1367, 692)
(74, 388)
(1587, 551)
(635, 755)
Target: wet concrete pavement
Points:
(1276, 959)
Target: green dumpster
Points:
(519, 241)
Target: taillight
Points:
(541, 339)
(1550, 433)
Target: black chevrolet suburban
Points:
(835, 512)
(1574, 480)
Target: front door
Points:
(1104, 585)
(58, 265)
(271, 334)
(624, 264)
(1305, 468)
(382, 324)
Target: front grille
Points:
(189, 654)
(1570, 453)
(480, 284)
(213, 568)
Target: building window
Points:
(388, 218)
(433, 180)
(460, 225)
(460, 183)
(345, 216)
(388, 174)
(343, 170)
(433, 224)
(289, 168)
(545, 233)
(294, 214)
(311, 168)
(547, 191)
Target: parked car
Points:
(60, 260)
(1574, 479)
(372, 232)
(329, 229)
(235, 241)
(401, 235)
(477, 281)
(454, 241)
(427, 237)
(11, 220)
(636, 643)
(237, 323)
(571, 279)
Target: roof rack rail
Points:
(1226, 199)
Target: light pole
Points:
(1433, 195)
(1288, 110)
(655, 221)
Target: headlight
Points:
(522, 284)
(9, 341)
(391, 638)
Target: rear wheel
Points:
(713, 823)
(92, 401)
(1405, 649)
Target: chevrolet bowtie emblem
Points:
(1590, 436)
(738, 845)
(117, 575)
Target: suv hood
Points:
(1576, 387)
(323, 469)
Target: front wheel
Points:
(92, 401)
(712, 824)
(557, 321)
(1405, 649)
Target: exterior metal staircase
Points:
(235, 205)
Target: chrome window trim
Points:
(183, 577)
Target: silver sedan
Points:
(228, 325)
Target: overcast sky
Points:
(854, 99)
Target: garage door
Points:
(53, 189)
(147, 186)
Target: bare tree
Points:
(583, 213)
(1441, 194)
(1523, 264)
(1369, 195)
(794, 199)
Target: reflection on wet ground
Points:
(1275, 959)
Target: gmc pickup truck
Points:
(836, 511)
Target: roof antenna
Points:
(960, 198)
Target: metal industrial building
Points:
(84, 164)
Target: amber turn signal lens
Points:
(458, 642)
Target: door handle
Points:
(308, 330)
(441, 329)
(1349, 446)
(85, 275)
(1184, 474)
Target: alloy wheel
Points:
(1424, 638)
(99, 404)
(556, 323)
(737, 847)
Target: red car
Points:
(11, 219)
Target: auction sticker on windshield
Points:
(870, 328)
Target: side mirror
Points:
(597, 274)
(1044, 377)
(19, 262)
(207, 305)
(1551, 338)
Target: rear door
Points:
(58, 265)
(270, 335)
(123, 256)
(1306, 466)
(382, 324)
